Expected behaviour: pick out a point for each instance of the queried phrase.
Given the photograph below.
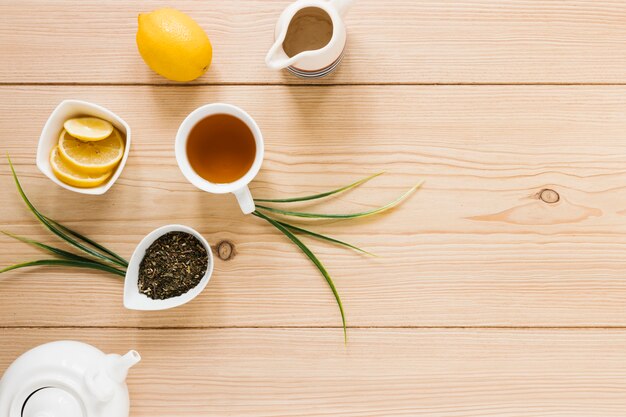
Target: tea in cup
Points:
(219, 149)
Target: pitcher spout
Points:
(276, 58)
(342, 6)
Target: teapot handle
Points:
(342, 6)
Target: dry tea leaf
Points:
(173, 264)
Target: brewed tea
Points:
(310, 29)
(221, 148)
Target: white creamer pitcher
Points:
(310, 38)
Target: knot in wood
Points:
(225, 250)
(549, 196)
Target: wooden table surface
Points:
(485, 299)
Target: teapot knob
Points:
(52, 402)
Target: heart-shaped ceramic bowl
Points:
(49, 138)
(135, 300)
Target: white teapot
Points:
(310, 37)
(66, 379)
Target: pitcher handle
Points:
(342, 6)
(245, 200)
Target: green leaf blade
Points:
(313, 259)
(65, 262)
(368, 213)
(51, 227)
(122, 261)
(321, 195)
(326, 238)
(51, 249)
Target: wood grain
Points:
(474, 247)
(380, 373)
(499, 289)
(398, 41)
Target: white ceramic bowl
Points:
(49, 138)
(134, 300)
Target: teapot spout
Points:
(276, 58)
(342, 6)
(118, 366)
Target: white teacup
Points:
(238, 187)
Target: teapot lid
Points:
(52, 402)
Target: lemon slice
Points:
(88, 128)
(73, 177)
(92, 157)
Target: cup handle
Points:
(245, 200)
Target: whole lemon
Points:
(173, 44)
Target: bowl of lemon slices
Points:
(83, 147)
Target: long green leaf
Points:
(323, 237)
(122, 261)
(56, 251)
(43, 220)
(341, 216)
(317, 196)
(66, 262)
(313, 259)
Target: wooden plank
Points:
(379, 373)
(471, 41)
(474, 247)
